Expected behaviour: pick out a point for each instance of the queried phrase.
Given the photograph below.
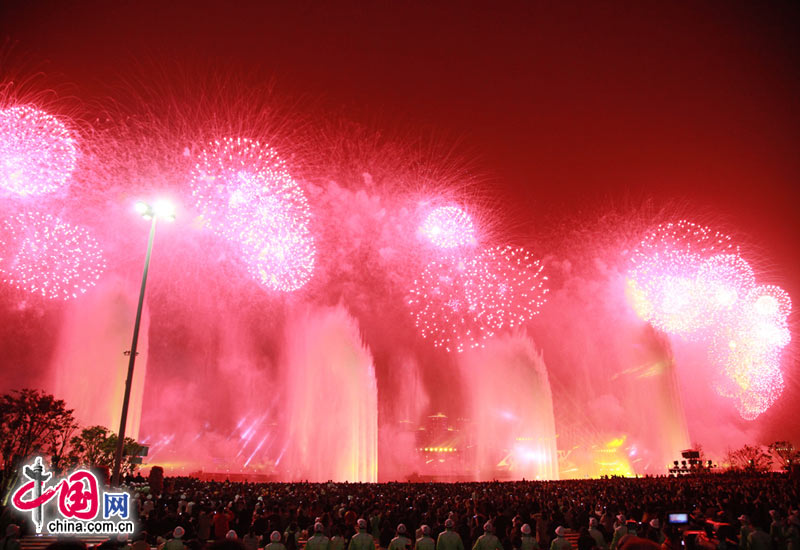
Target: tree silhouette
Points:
(31, 422)
(785, 453)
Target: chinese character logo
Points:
(115, 504)
(78, 495)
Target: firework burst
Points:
(690, 281)
(461, 301)
(663, 280)
(510, 287)
(44, 255)
(37, 151)
(246, 194)
(448, 227)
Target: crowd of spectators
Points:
(753, 512)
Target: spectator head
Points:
(744, 519)
(488, 527)
(592, 522)
(275, 536)
(655, 524)
(12, 530)
(526, 529)
(178, 532)
(426, 530)
(621, 518)
(449, 524)
(401, 529)
(231, 535)
(362, 523)
(560, 531)
(318, 527)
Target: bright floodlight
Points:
(142, 208)
(162, 209)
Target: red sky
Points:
(569, 106)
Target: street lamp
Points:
(164, 210)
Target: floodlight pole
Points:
(129, 381)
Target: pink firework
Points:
(747, 349)
(37, 151)
(723, 282)
(510, 288)
(444, 307)
(663, 280)
(460, 302)
(246, 194)
(771, 303)
(448, 227)
(44, 255)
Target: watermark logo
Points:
(78, 503)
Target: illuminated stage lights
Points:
(37, 152)
(448, 227)
(246, 195)
(460, 302)
(43, 255)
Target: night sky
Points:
(564, 109)
(567, 106)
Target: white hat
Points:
(178, 532)
(526, 529)
(231, 535)
(560, 531)
(275, 536)
(426, 530)
(655, 524)
(401, 529)
(318, 527)
(362, 523)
